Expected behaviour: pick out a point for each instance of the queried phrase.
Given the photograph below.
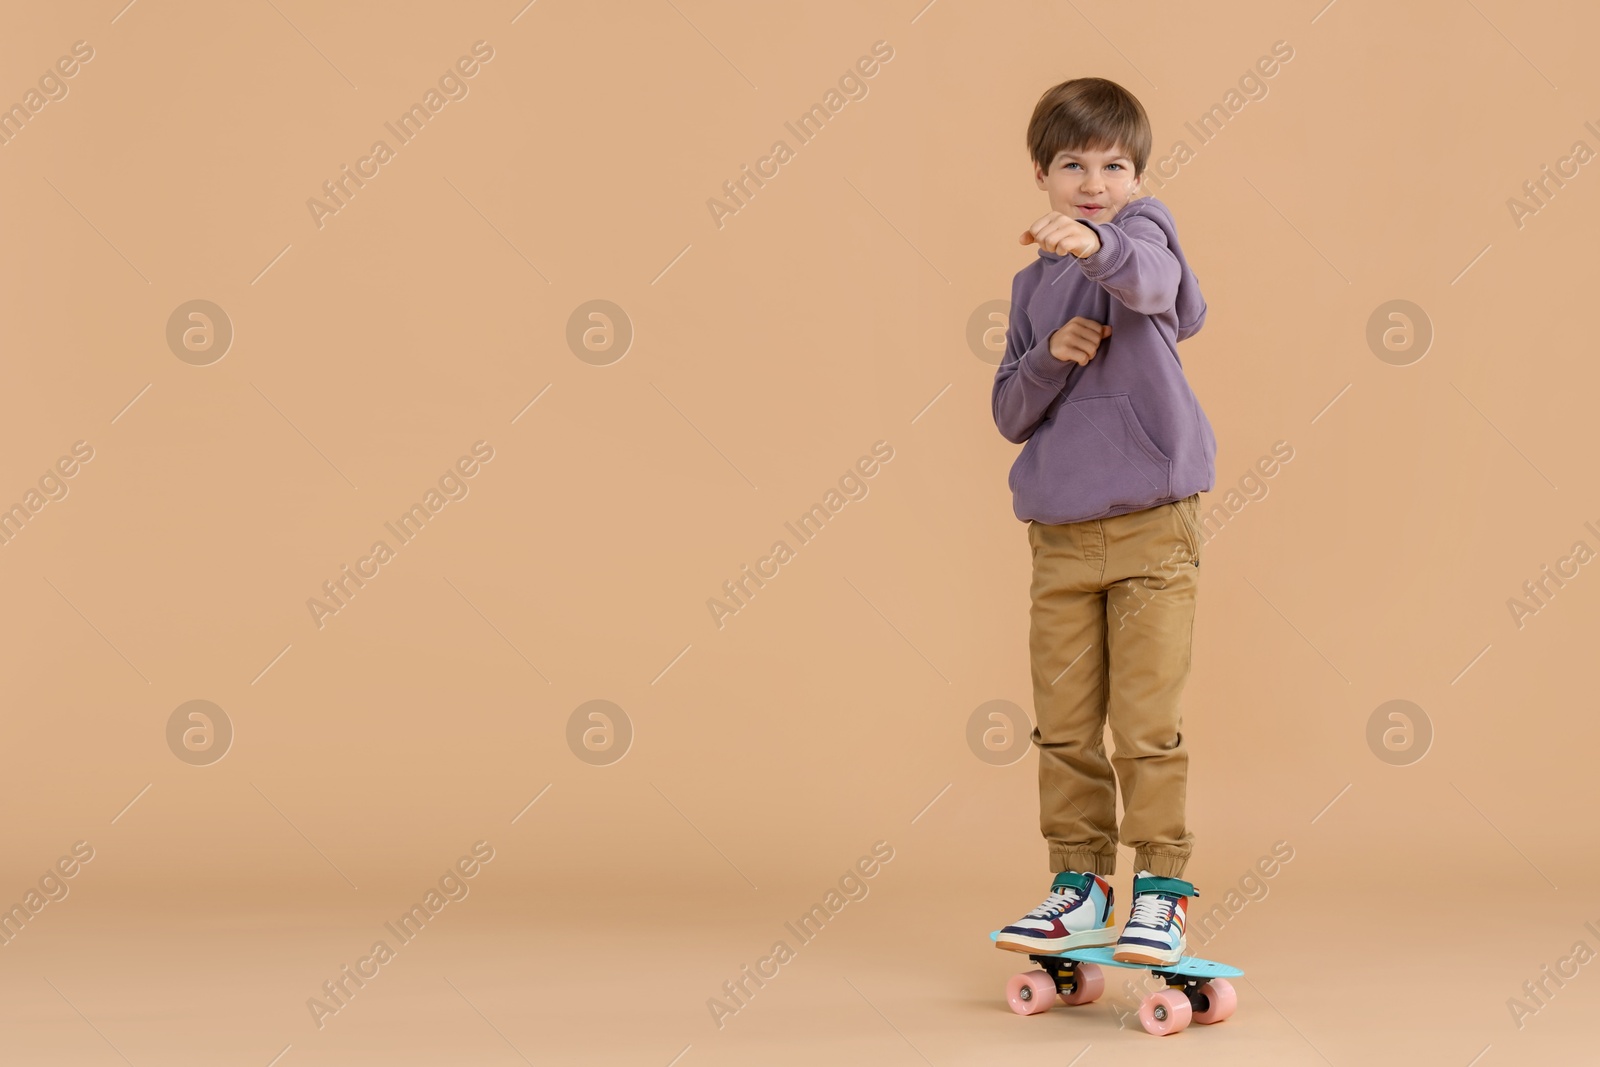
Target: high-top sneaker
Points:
(1078, 913)
(1154, 933)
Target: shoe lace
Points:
(1151, 909)
(1058, 901)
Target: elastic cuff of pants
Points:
(1161, 864)
(1101, 863)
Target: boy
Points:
(1117, 452)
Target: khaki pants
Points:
(1112, 628)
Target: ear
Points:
(1038, 176)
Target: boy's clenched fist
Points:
(1078, 340)
(1062, 235)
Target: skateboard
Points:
(1197, 990)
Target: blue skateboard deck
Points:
(1187, 966)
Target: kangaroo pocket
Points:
(1098, 458)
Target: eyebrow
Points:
(1074, 156)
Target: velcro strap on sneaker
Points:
(1072, 880)
(1158, 884)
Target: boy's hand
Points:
(1079, 339)
(1062, 235)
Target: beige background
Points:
(830, 313)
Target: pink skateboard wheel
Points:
(1030, 992)
(1165, 1012)
(1091, 983)
(1219, 992)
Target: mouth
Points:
(1089, 209)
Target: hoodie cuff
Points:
(1110, 254)
(1039, 364)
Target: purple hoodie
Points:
(1125, 432)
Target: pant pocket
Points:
(1188, 510)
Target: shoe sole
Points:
(1049, 945)
(1149, 959)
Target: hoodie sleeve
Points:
(1188, 329)
(1029, 378)
(1134, 265)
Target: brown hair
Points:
(1088, 113)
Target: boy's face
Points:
(1089, 185)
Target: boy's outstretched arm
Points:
(1134, 265)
